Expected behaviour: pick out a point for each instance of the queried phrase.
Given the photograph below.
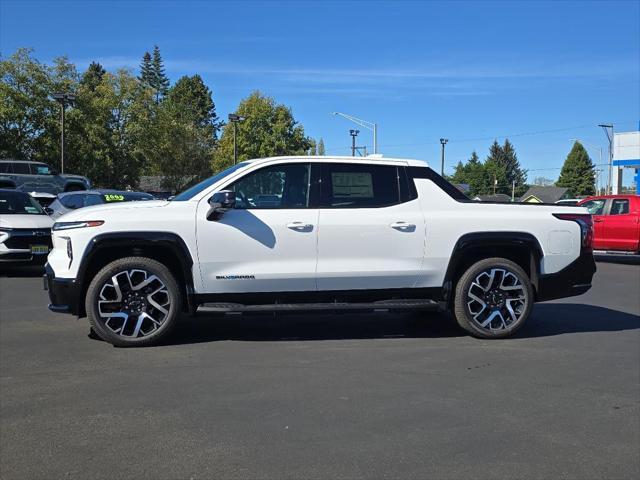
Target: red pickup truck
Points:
(616, 222)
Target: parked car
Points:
(25, 229)
(67, 202)
(344, 233)
(44, 199)
(39, 177)
(616, 221)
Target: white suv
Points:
(314, 233)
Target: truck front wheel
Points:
(133, 302)
(493, 298)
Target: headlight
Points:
(69, 225)
(4, 234)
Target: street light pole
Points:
(364, 124)
(608, 130)
(234, 118)
(354, 134)
(443, 142)
(63, 99)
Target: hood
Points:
(89, 213)
(25, 221)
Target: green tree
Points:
(182, 138)
(313, 148)
(503, 165)
(321, 150)
(578, 173)
(269, 129)
(474, 174)
(160, 82)
(146, 71)
(93, 76)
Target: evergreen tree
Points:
(146, 71)
(515, 174)
(160, 81)
(321, 147)
(474, 174)
(93, 76)
(578, 174)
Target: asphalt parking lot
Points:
(343, 396)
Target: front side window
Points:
(189, 193)
(5, 167)
(619, 206)
(595, 207)
(352, 185)
(21, 168)
(18, 203)
(278, 186)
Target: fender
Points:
(129, 240)
(474, 240)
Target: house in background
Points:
(539, 194)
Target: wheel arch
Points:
(520, 247)
(165, 247)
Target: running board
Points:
(383, 305)
(614, 252)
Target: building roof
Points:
(498, 197)
(544, 194)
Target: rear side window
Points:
(5, 167)
(40, 169)
(73, 201)
(619, 206)
(21, 168)
(595, 207)
(352, 185)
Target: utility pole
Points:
(443, 142)
(354, 134)
(513, 190)
(608, 130)
(234, 118)
(63, 99)
(495, 183)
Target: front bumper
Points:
(574, 279)
(64, 293)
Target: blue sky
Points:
(539, 72)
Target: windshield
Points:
(197, 188)
(18, 203)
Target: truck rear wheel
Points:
(493, 298)
(133, 302)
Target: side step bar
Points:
(383, 305)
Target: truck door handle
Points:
(597, 220)
(403, 226)
(300, 226)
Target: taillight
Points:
(586, 226)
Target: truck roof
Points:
(368, 159)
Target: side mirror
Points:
(48, 211)
(220, 202)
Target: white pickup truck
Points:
(315, 233)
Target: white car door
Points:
(268, 242)
(372, 230)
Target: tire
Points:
(139, 308)
(493, 298)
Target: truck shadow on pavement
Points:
(547, 320)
